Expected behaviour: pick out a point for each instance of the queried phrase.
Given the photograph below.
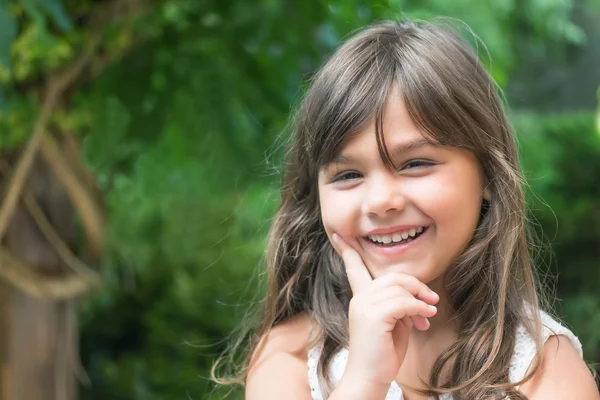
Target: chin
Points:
(424, 276)
(404, 269)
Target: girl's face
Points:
(425, 212)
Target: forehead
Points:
(395, 124)
(396, 133)
(358, 147)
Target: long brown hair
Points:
(450, 96)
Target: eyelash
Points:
(345, 176)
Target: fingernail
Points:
(433, 308)
(335, 237)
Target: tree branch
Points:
(23, 277)
(56, 241)
(17, 180)
(88, 210)
(56, 85)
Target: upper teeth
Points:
(397, 236)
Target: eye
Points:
(417, 164)
(345, 176)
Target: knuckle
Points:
(402, 302)
(401, 279)
(410, 281)
(411, 303)
(393, 279)
(398, 291)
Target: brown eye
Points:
(346, 176)
(417, 164)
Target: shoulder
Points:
(562, 374)
(280, 369)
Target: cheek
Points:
(455, 203)
(337, 213)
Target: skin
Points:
(438, 187)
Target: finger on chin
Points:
(359, 276)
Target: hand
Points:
(382, 313)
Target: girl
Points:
(398, 260)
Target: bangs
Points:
(349, 93)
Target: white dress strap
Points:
(525, 345)
(313, 380)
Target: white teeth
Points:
(396, 237)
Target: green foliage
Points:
(103, 145)
(2, 101)
(52, 8)
(561, 161)
(581, 312)
(184, 133)
(598, 112)
(36, 51)
(17, 124)
(37, 48)
(561, 156)
(8, 33)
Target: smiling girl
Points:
(398, 260)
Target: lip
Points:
(396, 249)
(393, 229)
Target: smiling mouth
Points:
(397, 238)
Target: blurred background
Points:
(140, 143)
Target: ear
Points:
(487, 194)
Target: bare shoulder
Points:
(280, 370)
(562, 374)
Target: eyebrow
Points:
(396, 151)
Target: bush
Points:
(561, 159)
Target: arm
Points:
(276, 377)
(562, 374)
(280, 371)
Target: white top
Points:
(521, 359)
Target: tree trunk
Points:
(39, 331)
(40, 350)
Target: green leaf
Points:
(598, 112)
(37, 10)
(3, 105)
(56, 10)
(8, 34)
(103, 146)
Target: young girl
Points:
(398, 260)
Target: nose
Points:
(383, 196)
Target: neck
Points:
(441, 324)
(425, 347)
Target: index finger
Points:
(358, 274)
